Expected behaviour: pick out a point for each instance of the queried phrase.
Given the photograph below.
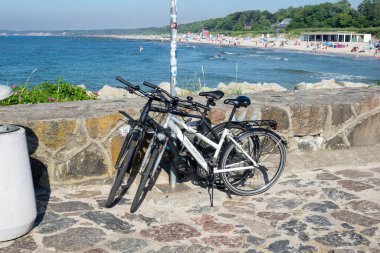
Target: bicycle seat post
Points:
(231, 116)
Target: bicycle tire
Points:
(125, 166)
(123, 150)
(265, 144)
(145, 176)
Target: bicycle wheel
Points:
(147, 174)
(132, 147)
(266, 149)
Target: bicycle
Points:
(245, 151)
(136, 133)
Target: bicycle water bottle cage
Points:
(212, 95)
(240, 101)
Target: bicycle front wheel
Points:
(245, 178)
(147, 174)
(130, 147)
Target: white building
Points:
(336, 36)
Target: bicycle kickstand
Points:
(211, 180)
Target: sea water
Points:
(95, 62)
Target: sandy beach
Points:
(283, 44)
(363, 49)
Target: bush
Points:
(47, 92)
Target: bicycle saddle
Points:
(216, 94)
(239, 101)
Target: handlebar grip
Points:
(150, 85)
(120, 79)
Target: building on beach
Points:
(336, 36)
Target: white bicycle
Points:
(248, 164)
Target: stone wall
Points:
(79, 141)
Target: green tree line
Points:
(326, 15)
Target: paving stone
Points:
(272, 216)
(304, 193)
(280, 203)
(298, 183)
(102, 202)
(139, 217)
(354, 174)
(281, 246)
(239, 207)
(369, 231)
(202, 209)
(26, 242)
(354, 218)
(70, 206)
(348, 226)
(318, 220)
(338, 195)
(108, 221)
(255, 240)
(227, 215)
(327, 176)
(303, 237)
(209, 224)
(127, 245)
(252, 251)
(170, 232)
(75, 239)
(364, 206)
(321, 207)
(11, 249)
(97, 250)
(224, 241)
(354, 185)
(307, 249)
(242, 231)
(293, 227)
(345, 238)
(261, 228)
(51, 222)
(195, 248)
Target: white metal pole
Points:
(173, 67)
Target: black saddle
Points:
(216, 95)
(240, 101)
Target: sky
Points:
(124, 14)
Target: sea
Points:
(96, 62)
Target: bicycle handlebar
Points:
(120, 79)
(176, 99)
(188, 104)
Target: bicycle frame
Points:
(172, 123)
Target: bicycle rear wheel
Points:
(147, 174)
(131, 147)
(266, 149)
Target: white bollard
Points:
(17, 199)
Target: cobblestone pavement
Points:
(321, 210)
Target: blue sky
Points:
(101, 14)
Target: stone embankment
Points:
(79, 141)
(108, 92)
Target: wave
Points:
(296, 71)
(277, 58)
(229, 53)
(338, 76)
